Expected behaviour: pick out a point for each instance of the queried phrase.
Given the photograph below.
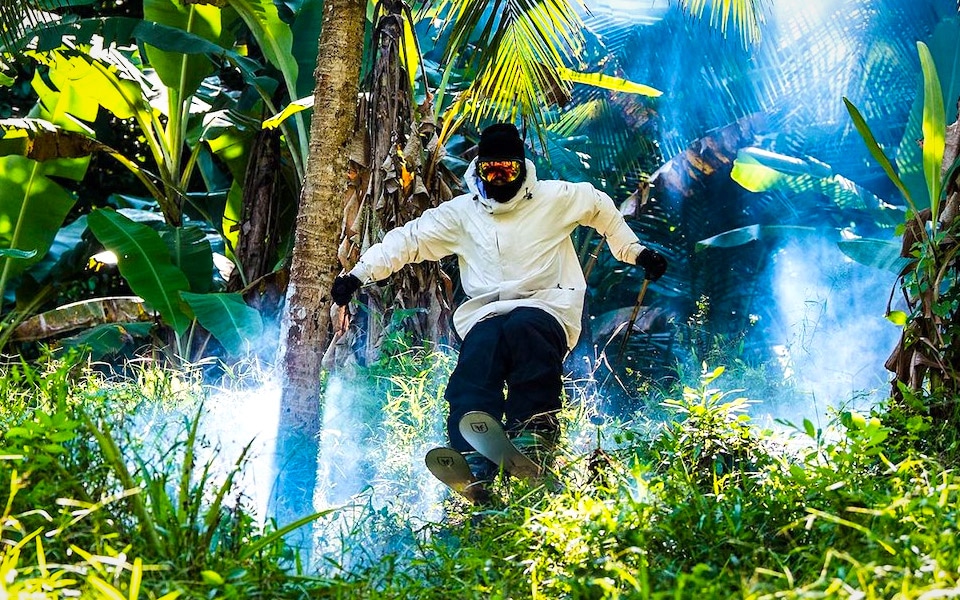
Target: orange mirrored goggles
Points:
(498, 171)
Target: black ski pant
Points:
(523, 350)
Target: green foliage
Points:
(705, 505)
(161, 81)
(94, 508)
(144, 262)
(927, 358)
(712, 440)
(32, 208)
(235, 324)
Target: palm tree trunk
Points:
(306, 318)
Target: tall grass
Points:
(705, 504)
(103, 502)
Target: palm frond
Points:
(747, 16)
(616, 153)
(517, 48)
(17, 17)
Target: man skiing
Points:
(520, 272)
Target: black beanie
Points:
(500, 142)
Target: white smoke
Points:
(836, 337)
(245, 415)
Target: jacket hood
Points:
(475, 188)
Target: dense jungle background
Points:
(185, 416)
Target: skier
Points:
(511, 235)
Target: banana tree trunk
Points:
(306, 317)
(397, 191)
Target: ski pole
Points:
(593, 259)
(633, 318)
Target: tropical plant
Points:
(722, 240)
(95, 508)
(926, 358)
(185, 115)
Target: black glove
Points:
(343, 288)
(653, 263)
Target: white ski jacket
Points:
(511, 254)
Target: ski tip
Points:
(478, 422)
(443, 457)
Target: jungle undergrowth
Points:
(704, 503)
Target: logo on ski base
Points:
(479, 427)
(445, 461)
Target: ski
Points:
(451, 468)
(487, 436)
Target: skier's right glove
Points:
(653, 263)
(344, 286)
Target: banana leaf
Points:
(91, 83)
(120, 30)
(881, 254)
(275, 39)
(752, 233)
(236, 326)
(182, 71)
(144, 261)
(67, 254)
(759, 170)
(229, 136)
(190, 250)
(306, 31)
(105, 340)
(32, 209)
(273, 36)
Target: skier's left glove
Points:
(344, 286)
(653, 263)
